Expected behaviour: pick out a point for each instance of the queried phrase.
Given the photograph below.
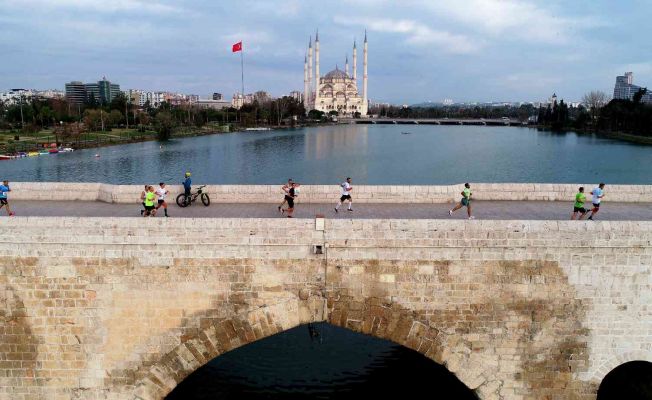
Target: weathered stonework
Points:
(327, 193)
(126, 308)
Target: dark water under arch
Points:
(321, 361)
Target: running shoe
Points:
(450, 213)
(335, 210)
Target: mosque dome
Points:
(336, 74)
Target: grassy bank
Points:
(12, 142)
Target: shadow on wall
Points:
(630, 381)
(320, 361)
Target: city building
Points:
(217, 96)
(262, 97)
(337, 90)
(103, 91)
(214, 104)
(625, 88)
(76, 92)
(296, 95)
(239, 100)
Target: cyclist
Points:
(186, 186)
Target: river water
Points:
(330, 363)
(370, 154)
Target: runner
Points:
(142, 199)
(187, 184)
(4, 201)
(285, 188)
(598, 194)
(150, 196)
(578, 207)
(292, 193)
(346, 195)
(465, 202)
(162, 193)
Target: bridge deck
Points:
(498, 210)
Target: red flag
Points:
(237, 47)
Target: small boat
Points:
(405, 133)
(43, 152)
(32, 154)
(53, 151)
(6, 157)
(258, 129)
(66, 150)
(22, 154)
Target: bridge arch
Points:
(618, 360)
(379, 320)
(631, 380)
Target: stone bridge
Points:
(126, 308)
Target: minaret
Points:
(305, 82)
(355, 62)
(364, 77)
(310, 78)
(346, 64)
(316, 67)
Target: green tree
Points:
(114, 118)
(163, 124)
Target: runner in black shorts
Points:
(292, 193)
(345, 188)
(285, 188)
(578, 207)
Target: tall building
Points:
(297, 95)
(76, 92)
(103, 91)
(337, 90)
(217, 96)
(625, 88)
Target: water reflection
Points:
(329, 362)
(371, 154)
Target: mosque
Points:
(337, 90)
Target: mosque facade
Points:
(337, 90)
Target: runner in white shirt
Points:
(161, 193)
(598, 194)
(346, 189)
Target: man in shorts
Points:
(345, 188)
(465, 202)
(292, 193)
(598, 194)
(4, 200)
(285, 188)
(142, 199)
(578, 207)
(162, 193)
(150, 197)
(187, 185)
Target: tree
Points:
(638, 96)
(114, 118)
(163, 124)
(594, 101)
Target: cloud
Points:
(98, 6)
(520, 19)
(417, 33)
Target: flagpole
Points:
(242, 71)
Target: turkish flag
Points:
(237, 47)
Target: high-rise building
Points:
(625, 88)
(76, 92)
(103, 91)
(297, 95)
(218, 96)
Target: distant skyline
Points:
(422, 50)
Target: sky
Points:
(419, 50)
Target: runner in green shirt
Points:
(150, 197)
(578, 207)
(466, 201)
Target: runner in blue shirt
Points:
(4, 201)
(187, 185)
(598, 194)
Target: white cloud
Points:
(519, 19)
(99, 6)
(417, 33)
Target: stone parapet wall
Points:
(329, 193)
(124, 308)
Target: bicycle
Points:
(183, 201)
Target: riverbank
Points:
(625, 137)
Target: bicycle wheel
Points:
(182, 201)
(205, 199)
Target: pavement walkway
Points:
(492, 210)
